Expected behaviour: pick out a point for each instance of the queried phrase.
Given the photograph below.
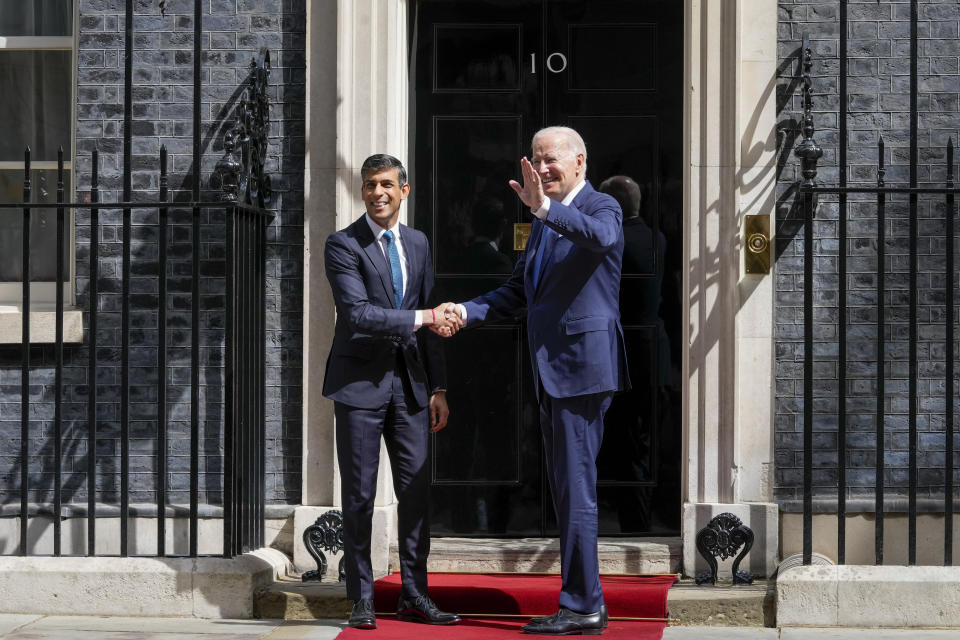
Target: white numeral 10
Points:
(552, 66)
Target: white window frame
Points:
(43, 294)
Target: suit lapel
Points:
(554, 237)
(369, 245)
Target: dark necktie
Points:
(546, 240)
(393, 256)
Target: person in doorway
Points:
(568, 280)
(386, 377)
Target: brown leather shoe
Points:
(422, 609)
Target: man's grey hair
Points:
(381, 161)
(574, 142)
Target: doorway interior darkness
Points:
(485, 76)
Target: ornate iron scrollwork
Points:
(247, 179)
(808, 150)
(721, 538)
(326, 534)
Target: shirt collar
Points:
(573, 193)
(378, 231)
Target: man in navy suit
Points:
(568, 280)
(386, 377)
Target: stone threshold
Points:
(688, 604)
(542, 555)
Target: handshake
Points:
(444, 319)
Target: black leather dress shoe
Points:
(362, 616)
(603, 616)
(422, 609)
(568, 623)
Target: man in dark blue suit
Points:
(386, 377)
(568, 280)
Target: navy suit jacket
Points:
(369, 330)
(573, 312)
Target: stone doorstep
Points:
(688, 604)
(542, 555)
(869, 596)
(753, 605)
(205, 587)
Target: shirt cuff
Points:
(462, 310)
(417, 319)
(543, 210)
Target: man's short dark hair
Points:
(381, 161)
(625, 191)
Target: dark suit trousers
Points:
(358, 450)
(572, 433)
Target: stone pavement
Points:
(744, 633)
(33, 627)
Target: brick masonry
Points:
(233, 32)
(878, 103)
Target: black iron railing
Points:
(810, 196)
(243, 340)
(243, 195)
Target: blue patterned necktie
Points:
(394, 257)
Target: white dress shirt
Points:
(378, 232)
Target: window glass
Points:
(36, 98)
(43, 227)
(36, 17)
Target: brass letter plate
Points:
(756, 257)
(521, 231)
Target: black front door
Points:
(486, 76)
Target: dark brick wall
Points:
(878, 69)
(233, 32)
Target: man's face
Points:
(382, 195)
(559, 168)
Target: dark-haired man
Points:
(386, 377)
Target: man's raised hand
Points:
(531, 191)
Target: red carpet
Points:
(516, 597)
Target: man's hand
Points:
(531, 192)
(445, 320)
(438, 411)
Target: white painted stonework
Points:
(730, 66)
(868, 596)
(357, 69)
(184, 587)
